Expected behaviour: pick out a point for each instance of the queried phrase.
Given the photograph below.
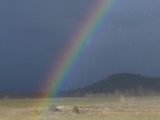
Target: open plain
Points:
(90, 108)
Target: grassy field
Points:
(108, 108)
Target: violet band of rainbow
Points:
(68, 56)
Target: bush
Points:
(75, 110)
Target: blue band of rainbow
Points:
(68, 56)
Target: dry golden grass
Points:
(122, 108)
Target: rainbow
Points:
(69, 55)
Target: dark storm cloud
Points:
(128, 43)
(33, 32)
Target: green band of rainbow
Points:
(68, 56)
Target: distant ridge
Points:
(126, 83)
(116, 84)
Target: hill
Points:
(116, 84)
(125, 83)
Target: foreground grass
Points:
(81, 117)
(109, 108)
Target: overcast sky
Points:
(32, 32)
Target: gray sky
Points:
(33, 32)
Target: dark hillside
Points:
(123, 82)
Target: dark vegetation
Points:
(75, 110)
(123, 83)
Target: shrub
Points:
(75, 110)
